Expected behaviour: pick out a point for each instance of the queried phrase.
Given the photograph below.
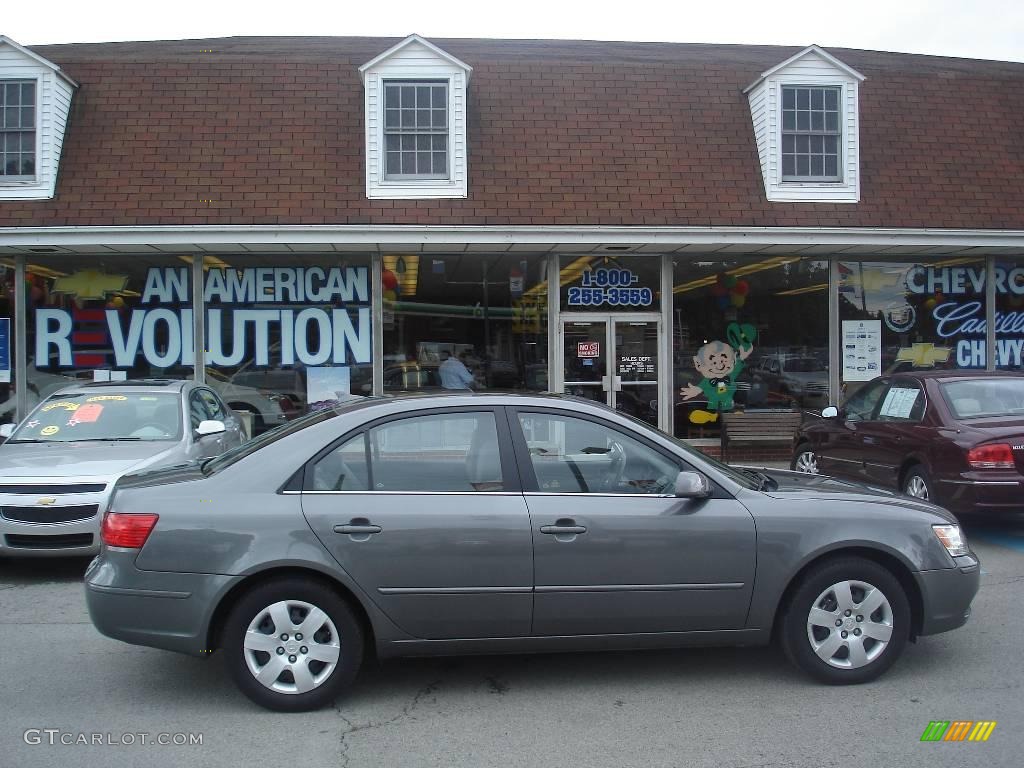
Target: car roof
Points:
(961, 373)
(135, 385)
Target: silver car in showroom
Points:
(485, 523)
(59, 466)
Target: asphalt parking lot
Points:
(727, 708)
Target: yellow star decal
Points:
(89, 284)
(923, 355)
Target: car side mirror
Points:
(209, 427)
(692, 485)
(830, 412)
(6, 430)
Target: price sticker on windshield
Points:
(87, 414)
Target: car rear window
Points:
(981, 398)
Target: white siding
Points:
(53, 98)
(765, 113)
(416, 61)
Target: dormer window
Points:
(35, 101)
(18, 129)
(810, 133)
(416, 133)
(805, 119)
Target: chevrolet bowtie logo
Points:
(89, 284)
(923, 355)
(46, 501)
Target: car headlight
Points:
(952, 539)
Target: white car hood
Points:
(84, 459)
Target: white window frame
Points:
(415, 180)
(15, 181)
(839, 180)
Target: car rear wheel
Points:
(292, 645)
(917, 484)
(847, 622)
(805, 460)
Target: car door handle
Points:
(562, 529)
(357, 529)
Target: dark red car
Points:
(955, 438)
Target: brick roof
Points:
(270, 131)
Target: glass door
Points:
(613, 360)
(635, 352)
(585, 355)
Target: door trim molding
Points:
(641, 587)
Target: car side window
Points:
(571, 455)
(904, 402)
(456, 452)
(213, 404)
(861, 405)
(197, 409)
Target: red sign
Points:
(588, 349)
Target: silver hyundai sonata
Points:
(58, 468)
(449, 524)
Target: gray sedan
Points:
(58, 468)
(450, 524)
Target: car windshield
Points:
(979, 398)
(805, 365)
(103, 415)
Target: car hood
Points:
(789, 485)
(92, 459)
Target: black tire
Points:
(803, 448)
(349, 637)
(916, 474)
(795, 634)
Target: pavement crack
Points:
(407, 711)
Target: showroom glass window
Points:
(287, 334)
(9, 343)
(98, 317)
(1010, 315)
(773, 311)
(472, 320)
(903, 316)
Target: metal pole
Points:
(835, 345)
(198, 320)
(556, 378)
(666, 363)
(990, 313)
(21, 339)
(377, 323)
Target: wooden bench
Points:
(760, 427)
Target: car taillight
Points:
(995, 456)
(127, 530)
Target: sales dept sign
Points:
(612, 286)
(335, 332)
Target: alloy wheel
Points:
(291, 647)
(917, 487)
(850, 624)
(806, 462)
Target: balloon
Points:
(738, 300)
(930, 303)
(36, 293)
(730, 281)
(742, 287)
(723, 302)
(388, 279)
(116, 303)
(389, 295)
(719, 290)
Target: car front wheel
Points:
(805, 460)
(292, 645)
(847, 622)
